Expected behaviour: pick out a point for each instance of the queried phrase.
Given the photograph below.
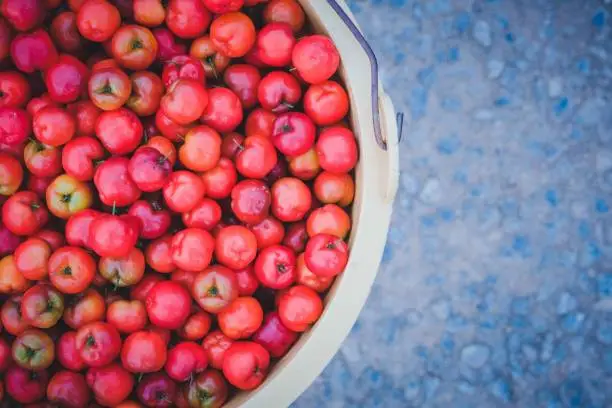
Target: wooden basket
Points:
(377, 178)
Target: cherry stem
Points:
(114, 208)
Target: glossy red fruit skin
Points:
(134, 47)
(183, 191)
(120, 131)
(141, 290)
(220, 180)
(326, 255)
(199, 323)
(251, 201)
(14, 90)
(241, 318)
(162, 145)
(192, 249)
(206, 215)
(25, 386)
(159, 254)
(36, 104)
(12, 175)
(223, 6)
(275, 42)
(12, 320)
(257, 157)
(209, 384)
(334, 188)
(147, 91)
(33, 51)
(203, 50)
(54, 238)
(187, 18)
(24, 214)
(157, 390)
(5, 38)
(185, 101)
(168, 47)
(260, 122)
(291, 199)
(268, 232)
(78, 227)
(232, 144)
(329, 219)
(98, 20)
(215, 344)
(275, 337)
(247, 281)
(293, 134)
(143, 352)
(8, 241)
(279, 91)
(23, 15)
(201, 149)
(183, 67)
(42, 160)
(65, 32)
(235, 247)
(326, 103)
(337, 149)
(215, 288)
(155, 220)
(299, 307)
(149, 169)
(67, 352)
(315, 58)
(123, 271)
(307, 278)
(113, 236)
(98, 344)
(224, 110)
(68, 389)
(71, 269)
(109, 88)
(53, 126)
(110, 384)
(84, 308)
(170, 129)
(15, 126)
(5, 355)
(86, 115)
(39, 185)
(168, 305)
(79, 156)
(246, 364)
(233, 34)
(66, 80)
(276, 267)
(33, 350)
(285, 11)
(128, 316)
(243, 80)
(185, 360)
(113, 182)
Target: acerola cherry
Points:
(168, 305)
(316, 58)
(326, 255)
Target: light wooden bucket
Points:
(377, 178)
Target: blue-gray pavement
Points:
(496, 284)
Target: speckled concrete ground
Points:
(496, 287)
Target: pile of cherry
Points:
(175, 184)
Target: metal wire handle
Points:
(380, 140)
